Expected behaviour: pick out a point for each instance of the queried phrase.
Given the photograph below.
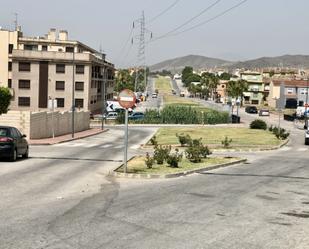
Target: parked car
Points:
(154, 95)
(251, 109)
(182, 94)
(136, 116)
(12, 143)
(264, 112)
(307, 137)
(173, 92)
(111, 115)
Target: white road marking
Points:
(118, 147)
(285, 148)
(106, 146)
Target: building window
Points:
(11, 46)
(31, 47)
(24, 84)
(60, 68)
(79, 86)
(69, 49)
(80, 69)
(24, 66)
(289, 90)
(44, 48)
(23, 101)
(79, 103)
(60, 85)
(60, 102)
(9, 83)
(10, 66)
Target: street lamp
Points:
(306, 106)
(103, 95)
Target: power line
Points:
(125, 44)
(163, 12)
(211, 19)
(190, 20)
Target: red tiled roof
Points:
(291, 83)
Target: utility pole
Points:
(141, 52)
(16, 21)
(306, 107)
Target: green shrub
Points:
(258, 124)
(154, 141)
(184, 139)
(174, 159)
(280, 133)
(197, 151)
(161, 153)
(226, 142)
(149, 161)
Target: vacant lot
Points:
(163, 85)
(213, 136)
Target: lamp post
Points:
(306, 107)
(103, 95)
(73, 93)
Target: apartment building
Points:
(258, 88)
(293, 93)
(37, 69)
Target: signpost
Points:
(52, 104)
(127, 100)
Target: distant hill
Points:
(291, 61)
(202, 62)
(195, 61)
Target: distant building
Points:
(294, 92)
(39, 68)
(258, 89)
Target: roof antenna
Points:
(16, 21)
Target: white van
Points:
(300, 111)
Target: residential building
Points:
(37, 69)
(258, 89)
(292, 92)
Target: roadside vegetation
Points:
(241, 138)
(5, 99)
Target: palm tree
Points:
(236, 89)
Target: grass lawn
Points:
(212, 136)
(174, 100)
(163, 85)
(137, 165)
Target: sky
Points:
(255, 29)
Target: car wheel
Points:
(26, 155)
(13, 158)
(307, 141)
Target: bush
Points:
(149, 161)
(184, 139)
(174, 159)
(226, 142)
(280, 133)
(258, 124)
(5, 99)
(197, 151)
(161, 153)
(154, 141)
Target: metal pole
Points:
(73, 94)
(125, 159)
(103, 97)
(279, 124)
(53, 125)
(306, 106)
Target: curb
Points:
(67, 140)
(167, 176)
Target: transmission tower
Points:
(141, 51)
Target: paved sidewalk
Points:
(67, 138)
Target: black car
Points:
(251, 109)
(12, 143)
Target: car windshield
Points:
(3, 132)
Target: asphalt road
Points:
(60, 198)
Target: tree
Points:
(186, 72)
(225, 76)
(5, 99)
(236, 89)
(192, 78)
(210, 82)
(124, 80)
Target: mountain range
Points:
(203, 62)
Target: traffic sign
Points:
(127, 98)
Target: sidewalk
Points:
(66, 138)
